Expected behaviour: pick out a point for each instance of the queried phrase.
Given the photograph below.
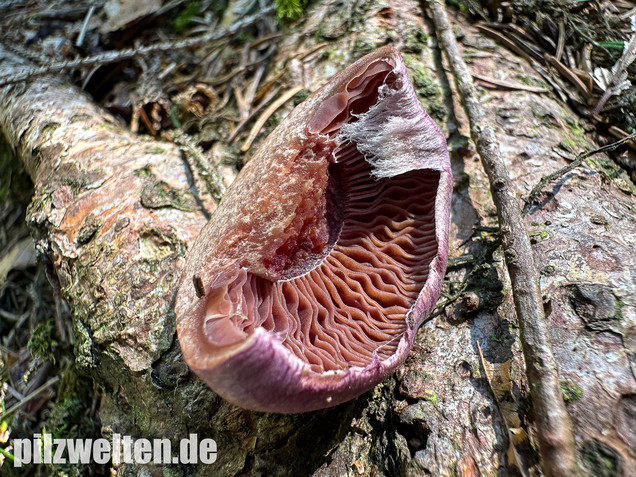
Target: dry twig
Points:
(266, 114)
(508, 86)
(554, 427)
(30, 397)
(545, 180)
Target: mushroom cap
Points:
(306, 287)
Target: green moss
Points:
(70, 418)
(573, 125)
(324, 31)
(160, 194)
(469, 55)
(539, 236)
(508, 113)
(333, 55)
(186, 17)
(290, 9)
(301, 96)
(144, 172)
(543, 114)
(570, 145)
(42, 342)
(620, 304)
(461, 6)
(84, 356)
(43, 203)
(577, 142)
(614, 172)
(157, 150)
(476, 370)
(531, 81)
(362, 45)
(548, 270)
(601, 460)
(428, 92)
(430, 396)
(415, 40)
(572, 392)
(371, 40)
(108, 328)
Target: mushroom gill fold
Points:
(328, 276)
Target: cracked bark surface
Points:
(114, 214)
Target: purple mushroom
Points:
(306, 287)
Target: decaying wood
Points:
(115, 214)
(556, 438)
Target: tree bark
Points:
(554, 427)
(114, 214)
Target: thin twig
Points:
(30, 397)
(213, 181)
(560, 41)
(554, 428)
(129, 53)
(510, 86)
(14, 392)
(82, 33)
(9, 339)
(240, 126)
(7, 315)
(545, 180)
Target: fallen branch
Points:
(555, 436)
(545, 180)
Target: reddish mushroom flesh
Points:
(306, 286)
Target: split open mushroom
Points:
(306, 287)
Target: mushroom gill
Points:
(325, 255)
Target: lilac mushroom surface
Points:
(306, 287)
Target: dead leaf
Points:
(569, 74)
